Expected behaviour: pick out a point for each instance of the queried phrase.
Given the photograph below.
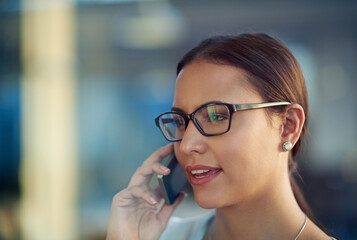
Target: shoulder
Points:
(187, 228)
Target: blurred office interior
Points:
(81, 82)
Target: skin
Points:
(252, 195)
(133, 211)
(254, 181)
(247, 153)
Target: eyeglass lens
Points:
(210, 119)
(172, 125)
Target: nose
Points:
(192, 141)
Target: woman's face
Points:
(243, 164)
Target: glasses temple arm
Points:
(240, 107)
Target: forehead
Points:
(202, 82)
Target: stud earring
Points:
(287, 146)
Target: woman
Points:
(245, 151)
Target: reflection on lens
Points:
(172, 125)
(212, 113)
(213, 119)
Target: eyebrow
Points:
(176, 109)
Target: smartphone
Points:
(171, 185)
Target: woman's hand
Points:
(133, 212)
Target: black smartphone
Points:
(171, 185)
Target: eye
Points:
(215, 117)
(216, 113)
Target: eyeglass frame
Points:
(231, 107)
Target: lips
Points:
(200, 174)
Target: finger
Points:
(159, 154)
(144, 173)
(139, 192)
(167, 210)
(128, 196)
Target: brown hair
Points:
(273, 71)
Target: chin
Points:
(207, 201)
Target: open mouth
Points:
(199, 175)
(204, 173)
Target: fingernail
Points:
(153, 201)
(165, 168)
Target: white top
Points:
(193, 228)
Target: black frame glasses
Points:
(232, 108)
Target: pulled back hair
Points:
(273, 71)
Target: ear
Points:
(294, 118)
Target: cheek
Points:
(178, 154)
(248, 154)
(253, 137)
(245, 140)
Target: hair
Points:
(274, 72)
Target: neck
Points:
(273, 215)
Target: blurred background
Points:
(81, 82)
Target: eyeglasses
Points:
(210, 119)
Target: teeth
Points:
(199, 171)
(201, 176)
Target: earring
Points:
(287, 146)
